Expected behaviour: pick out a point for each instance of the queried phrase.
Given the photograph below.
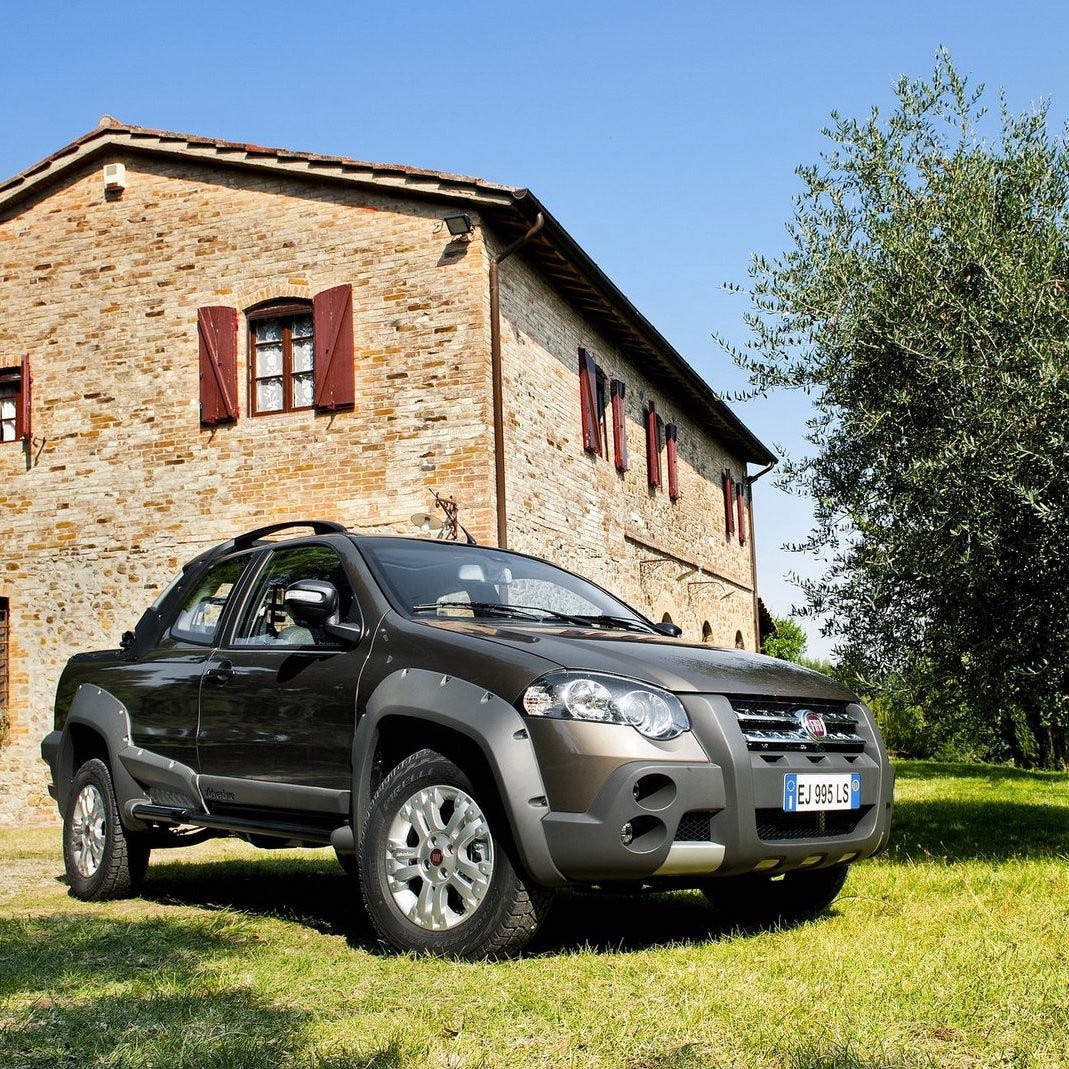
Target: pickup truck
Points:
(469, 729)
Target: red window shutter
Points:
(217, 328)
(332, 325)
(653, 447)
(729, 501)
(619, 424)
(588, 402)
(25, 428)
(671, 434)
(740, 497)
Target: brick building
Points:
(201, 336)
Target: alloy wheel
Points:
(89, 830)
(439, 857)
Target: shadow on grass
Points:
(1016, 820)
(326, 900)
(605, 923)
(60, 1006)
(969, 830)
(318, 895)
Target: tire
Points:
(103, 860)
(435, 870)
(791, 897)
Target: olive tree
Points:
(923, 304)
(787, 642)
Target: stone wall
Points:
(122, 484)
(663, 556)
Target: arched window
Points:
(15, 402)
(740, 642)
(281, 366)
(707, 632)
(667, 618)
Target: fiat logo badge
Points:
(812, 724)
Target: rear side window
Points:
(203, 609)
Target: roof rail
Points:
(319, 527)
(250, 538)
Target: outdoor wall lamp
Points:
(459, 224)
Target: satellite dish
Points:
(426, 521)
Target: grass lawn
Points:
(950, 950)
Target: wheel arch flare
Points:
(481, 718)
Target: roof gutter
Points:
(496, 375)
(750, 480)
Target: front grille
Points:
(773, 825)
(694, 827)
(773, 725)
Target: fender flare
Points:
(102, 713)
(486, 720)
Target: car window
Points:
(447, 578)
(198, 620)
(266, 622)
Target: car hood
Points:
(665, 662)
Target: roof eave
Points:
(248, 157)
(555, 250)
(637, 330)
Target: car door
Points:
(161, 689)
(277, 700)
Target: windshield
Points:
(448, 579)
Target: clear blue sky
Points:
(663, 136)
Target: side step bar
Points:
(305, 832)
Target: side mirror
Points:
(127, 640)
(312, 602)
(671, 630)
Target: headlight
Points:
(652, 712)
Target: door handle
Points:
(221, 673)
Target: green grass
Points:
(951, 950)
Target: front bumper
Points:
(699, 807)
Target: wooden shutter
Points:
(729, 501)
(588, 402)
(217, 328)
(25, 413)
(332, 324)
(670, 434)
(740, 497)
(618, 391)
(653, 447)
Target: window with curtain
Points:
(281, 362)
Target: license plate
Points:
(804, 791)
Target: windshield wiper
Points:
(493, 608)
(621, 622)
(537, 612)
